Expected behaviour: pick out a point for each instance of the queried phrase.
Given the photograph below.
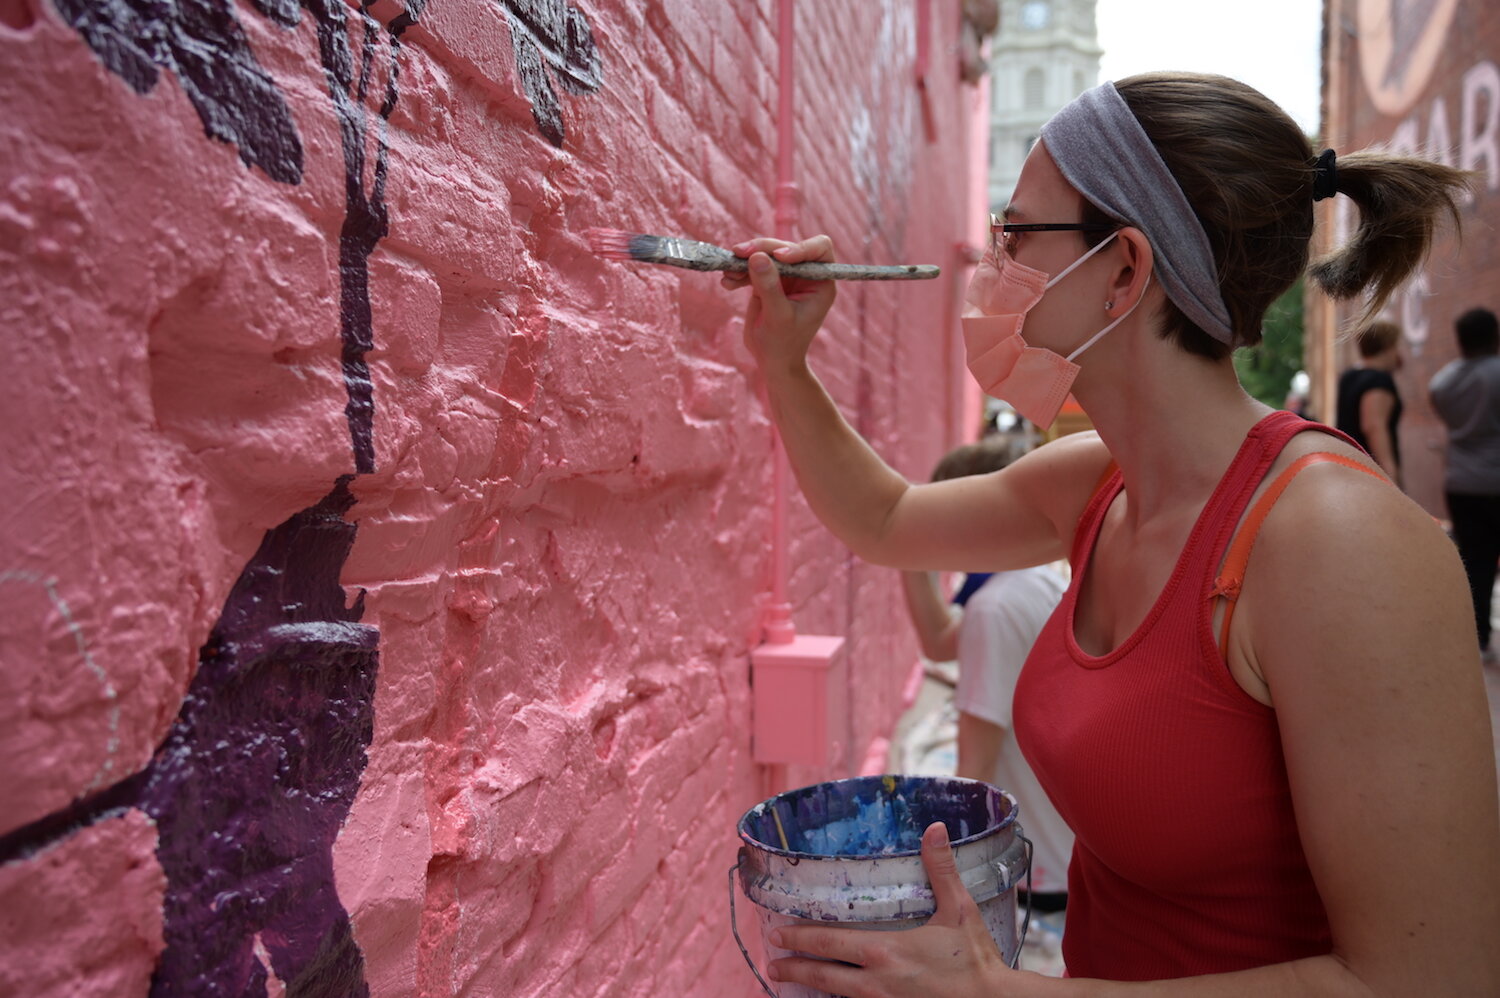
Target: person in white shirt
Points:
(990, 635)
(1000, 623)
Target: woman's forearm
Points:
(850, 489)
(1315, 977)
(979, 746)
(935, 622)
(1375, 409)
(1384, 453)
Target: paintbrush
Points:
(780, 830)
(612, 244)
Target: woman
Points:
(1369, 406)
(1301, 803)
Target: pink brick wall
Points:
(298, 306)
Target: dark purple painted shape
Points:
(556, 34)
(365, 219)
(202, 44)
(261, 766)
(256, 775)
(258, 772)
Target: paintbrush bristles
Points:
(613, 244)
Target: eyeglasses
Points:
(1005, 233)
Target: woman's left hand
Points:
(952, 955)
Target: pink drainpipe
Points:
(799, 697)
(778, 624)
(779, 628)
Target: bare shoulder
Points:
(1019, 516)
(1060, 477)
(1360, 624)
(1347, 552)
(1330, 504)
(1076, 459)
(1022, 515)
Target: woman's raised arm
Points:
(1022, 515)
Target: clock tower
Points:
(1045, 54)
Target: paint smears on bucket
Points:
(849, 851)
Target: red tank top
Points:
(1187, 858)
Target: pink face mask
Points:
(1033, 380)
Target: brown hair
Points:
(1377, 337)
(988, 453)
(1248, 172)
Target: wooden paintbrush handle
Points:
(814, 271)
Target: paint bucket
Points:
(849, 851)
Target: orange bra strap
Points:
(1232, 576)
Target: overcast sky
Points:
(1273, 45)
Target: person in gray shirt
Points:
(1466, 394)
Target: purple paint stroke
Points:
(259, 771)
(261, 766)
(366, 219)
(203, 45)
(552, 34)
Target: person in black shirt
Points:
(1369, 407)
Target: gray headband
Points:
(1106, 155)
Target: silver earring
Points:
(1108, 305)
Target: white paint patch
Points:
(112, 743)
(863, 163)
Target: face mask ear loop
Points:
(1069, 268)
(1100, 334)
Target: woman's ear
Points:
(1129, 279)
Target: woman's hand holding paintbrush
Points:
(794, 282)
(841, 477)
(784, 312)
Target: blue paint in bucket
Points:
(849, 851)
(873, 816)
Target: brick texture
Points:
(564, 540)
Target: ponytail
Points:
(1251, 176)
(1400, 201)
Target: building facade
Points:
(1045, 54)
(1418, 77)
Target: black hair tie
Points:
(1325, 176)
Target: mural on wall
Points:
(1401, 42)
(258, 771)
(1402, 45)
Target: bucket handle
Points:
(735, 928)
(1026, 921)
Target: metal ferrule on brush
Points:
(686, 253)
